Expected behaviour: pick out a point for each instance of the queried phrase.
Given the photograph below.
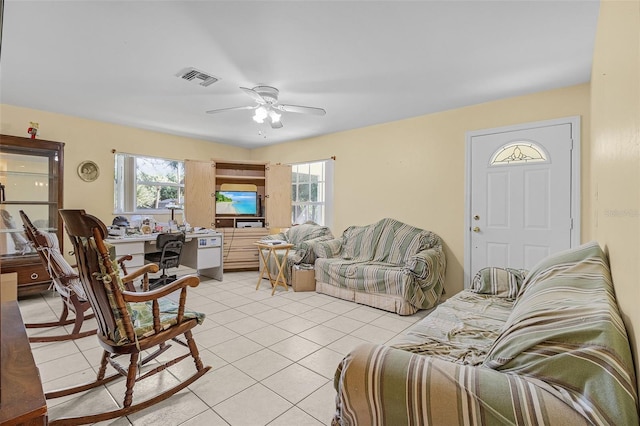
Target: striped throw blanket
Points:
(557, 355)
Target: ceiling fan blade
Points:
(215, 111)
(301, 109)
(255, 95)
(276, 124)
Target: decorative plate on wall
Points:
(88, 171)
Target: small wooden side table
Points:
(280, 280)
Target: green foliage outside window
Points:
(148, 183)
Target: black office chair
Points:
(168, 256)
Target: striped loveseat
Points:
(557, 354)
(388, 265)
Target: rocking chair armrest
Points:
(149, 267)
(181, 283)
(125, 258)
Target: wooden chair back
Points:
(66, 282)
(96, 270)
(62, 273)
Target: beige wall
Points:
(94, 140)
(615, 153)
(414, 170)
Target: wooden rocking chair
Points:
(129, 323)
(67, 283)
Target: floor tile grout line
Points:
(239, 293)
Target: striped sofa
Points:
(556, 354)
(388, 265)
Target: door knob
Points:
(476, 229)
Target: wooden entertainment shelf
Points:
(240, 222)
(272, 183)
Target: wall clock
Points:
(88, 171)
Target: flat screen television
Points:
(236, 203)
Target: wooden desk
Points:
(22, 399)
(280, 263)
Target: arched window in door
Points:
(519, 152)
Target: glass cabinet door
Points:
(30, 180)
(27, 184)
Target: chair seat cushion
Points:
(153, 257)
(141, 313)
(156, 257)
(142, 316)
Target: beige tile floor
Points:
(272, 357)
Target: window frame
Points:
(326, 184)
(126, 183)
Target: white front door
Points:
(521, 204)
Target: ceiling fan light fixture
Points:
(260, 115)
(267, 106)
(274, 116)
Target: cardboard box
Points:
(9, 286)
(303, 279)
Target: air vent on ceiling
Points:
(197, 76)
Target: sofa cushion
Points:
(307, 231)
(406, 241)
(328, 248)
(385, 240)
(360, 242)
(428, 266)
(461, 329)
(498, 282)
(371, 277)
(278, 237)
(305, 251)
(566, 332)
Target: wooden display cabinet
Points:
(31, 175)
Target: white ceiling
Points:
(364, 62)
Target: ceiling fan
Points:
(267, 106)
